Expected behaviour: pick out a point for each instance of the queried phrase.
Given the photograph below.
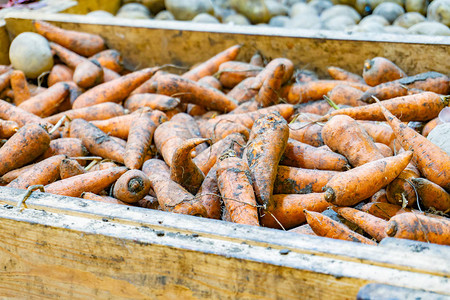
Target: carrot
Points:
(340, 74)
(105, 199)
(211, 66)
(115, 90)
(380, 132)
(19, 86)
(353, 186)
(306, 132)
(430, 126)
(374, 226)
(190, 123)
(231, 73)
(383, 210)
(420, 228)
(257, 59)
(270, 68)
(292, 180)
(344, 135)
(429, 81)
(154, 101)
(300, 155)
(131, 187)
(111, 59)
(183, 170)
(243, 92)
(319, 107)
(139, 140)
(245, 107)
(379, 70)
(23, 147)
(171, 196)
(70, 147)
(102, 165)
(189, 91)
(287, 210)
(209, 195)
(59, 73)
(149, 202)
(83, 43)
(236, 189)
(69, 168)
(74, 92)
(379, 196)
(43, 172)
(100, 111)
(303, 229)
(303, 75)
(13, 174)
(432, 195)
(315, 90)
(346, 95)
(5, 80)
(68, 57)
(400, 191)
(88, 73)
(211, 81)
(418, 107)
(384, 149)
(206, 159)
(46, 103)
(268, 93)
(8, 129)
(432, 161)
(5, 68)
(263, 154)
(93, 182)
(96, 141)
(326, 227)
(217, 131)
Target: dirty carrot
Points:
(93, 182)
(268, 93)
(19, 86)
(43, 172)
(326, 227)
(209, 195)
(374, 226)
(59, 73)
(400, 191)
(105, 199)
(270, 68)
(432, 161)
(70, 147)
(69, 168)
(111, 59)
(340, 74)
(384, 149)
(420, 228)
(306, 132)
(231, 73)
(139, 140)
(153, 101)
(70, 58)
(243, 92)
(353, 186)
(380, 70)
(149, 202)
(7, 129)
(217, 131)
(5, 80)
(319, 107)
(83, 43)
(211, 81)
(346, 95)
(96, 141)
(380, 132)
(88, 74)
(287, 210)
(263, 155)
(303, 229)
(23, 147)
(379, 196)
(131, 187)
(100, 111)
(46, 103)
(245, 107)
(211, 66)
(432, 195)
(431, 125)
(236, 189)
(292, 180)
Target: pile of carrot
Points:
(258, 143)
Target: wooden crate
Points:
(62, 247)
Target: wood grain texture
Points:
(148, 43)
(86, 6)
(4, 44)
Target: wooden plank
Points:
(4, 44)
(86, 6)
(148, 43)
(374, 291)
(53, 255)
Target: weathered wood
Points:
(148, 43)
(86, 6)
(374, 291)
(4, 44)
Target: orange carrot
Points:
(306, 132)
(87, 74)
(211, 81)
(353, 186)
(154, 101)
(340, 74)
(243, 91)
(292, 180)
(374, 226)
(209, 195)
(102, 165)
(287, 210)
(44, 172)
(83, 43)
(115, 90)
(326, 227)
(5, 68)
(190, 123)
(211, 66)
(263, 155)
(420, 228)
(344, 135)
(131, 187)
(105, 199)
(59, 73)
(432, 195)
(19, 86)
(100, 111)
(429, 81)
(430, 126)
(13, 174)
(70, 147)
(149, 202)
(245, 107)
(303, 229)
(379, 70)
(8, 129)
(319, 107)
(46, 103)
(236, 189)
(379, 196)
(400, 191)
(171, 196)
(93, 182)
(23, 147)
(384, 149)
(217, 131)
(70, 58)
(96, 141)
(268, 93)
(69, 168)
(270, 68)
(346, 95)
(383, 210)
(231, 73)
(380, 132)
(5, 80)
(303, 76)
(432, 161)
(300, 155)
(111, 59)
(139, 140)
